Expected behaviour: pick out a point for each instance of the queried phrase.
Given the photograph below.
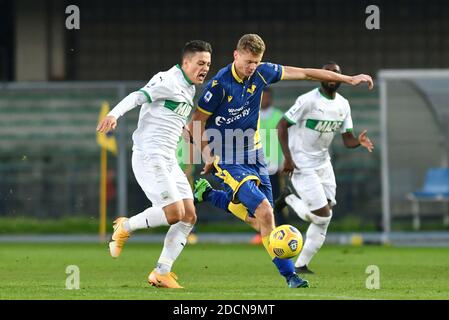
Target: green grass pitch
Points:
(38, 271)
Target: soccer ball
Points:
(285, 241)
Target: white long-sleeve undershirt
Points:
(131, 101)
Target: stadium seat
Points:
(435, 189)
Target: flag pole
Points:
(103, 200)
(107, 143)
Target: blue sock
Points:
(218, 198)
(286, 267)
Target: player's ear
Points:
(186, 59)
(236, 54)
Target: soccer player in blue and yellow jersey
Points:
(228, 110)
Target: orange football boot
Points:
(119, 237)
(164, 280)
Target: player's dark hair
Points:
(331, 62)
(251, 42)
(194, 46)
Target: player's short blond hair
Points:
(252, 43)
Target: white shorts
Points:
(161, 179)
(316, 186)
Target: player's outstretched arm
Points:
(293, 73)
(350, 141)
(289, 164)
(129, 102)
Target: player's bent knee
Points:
(264, 212)
(265, 207)
(190, 212)
(324, 221)
(323, 212)
(190, 216)
(174, 212)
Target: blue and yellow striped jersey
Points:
(233, 105)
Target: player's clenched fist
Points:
(107, 124)
(362, 78)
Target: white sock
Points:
(299, 206)
(315, 237)
(150, 218)
(175, 241)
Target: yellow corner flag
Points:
(107, 143)
(106, 140)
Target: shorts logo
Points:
(165, 195)
(208, 96)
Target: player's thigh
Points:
(327, 178)
(185, 191)
(251, 196)
(182, 183)
(155, 179)
(266, 188)
(310, 189)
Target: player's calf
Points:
(265, 217)
(315, 237)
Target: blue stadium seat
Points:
(436, 185)
(435, 189)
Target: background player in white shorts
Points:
(166, 102)
(305, 133)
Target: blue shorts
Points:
(245, 184)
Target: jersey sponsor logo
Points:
(234, 111)
(208, 96)
(323, 126)
(219, 120)
(183, 109)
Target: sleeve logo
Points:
(208, 96)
